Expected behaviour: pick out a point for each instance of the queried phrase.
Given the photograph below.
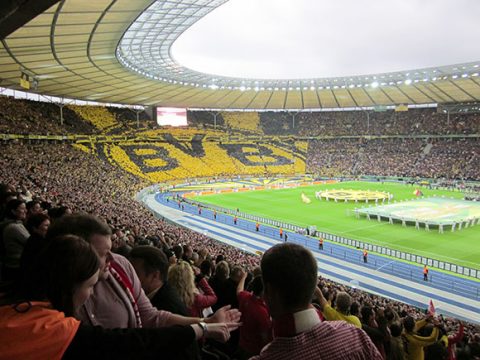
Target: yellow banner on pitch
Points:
(305, 199)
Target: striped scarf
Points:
(121, 277)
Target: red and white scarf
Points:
(122, 278)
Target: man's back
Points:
(332, 340)
(167, 299)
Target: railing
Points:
(405, 256)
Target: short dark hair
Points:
(366, 312)
(409, 323)
(206, 267)
(31, 204)
(292, 270)
(178, 250)
(83, 225)
(396, 329)
(12, 205)
(256, 286)
(153, 260)
(57, 212)
(35, 221)
(63, 264)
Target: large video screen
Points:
(171, 116)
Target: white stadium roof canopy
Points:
(210, 53)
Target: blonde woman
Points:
(182, 278)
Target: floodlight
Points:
(408, 82)
(374, 84)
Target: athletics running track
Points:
(451, 295)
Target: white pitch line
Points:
(391, 262)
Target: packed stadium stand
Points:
(102, 178)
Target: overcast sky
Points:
(284, 39)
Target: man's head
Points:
(343, 302)
(151, 266)
(222, 270)
(290, 277)
(367, 314)
(409, 324)
(187, 252)
(34, 207)
(91, 229)
(256, 286)
(236, 273)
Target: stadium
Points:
(111, 131)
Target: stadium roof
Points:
(119, 51)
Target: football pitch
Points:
(459, 247)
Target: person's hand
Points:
(318, 293)
(380, 312)
(244, 274)
(225, 315)
(196, 270)
(220, 331)
(436, 322)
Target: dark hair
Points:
(82, 225)
(153, 260)
(31, 204)
(292, 270)
(11, 206)
(57, 212)
(178, 250)
(354, 308)
(63, 264)
(35, 221)
(396, 329)
(256, 286)
(366, 312)
(168, 253)
(409, 324)
(206, 267)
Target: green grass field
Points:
(460, 247)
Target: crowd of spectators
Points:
(21, 116)
(42, 182)
(24, 117)
(58, 176)
(422, 121)
(406, 157)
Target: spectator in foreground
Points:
(37, 225)
(256, 330)
(343, 302)
(151, 266)
(198, 300)
(14, 237)
(413, 342)
(290, 281)
(118, 300)
(40, 323)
